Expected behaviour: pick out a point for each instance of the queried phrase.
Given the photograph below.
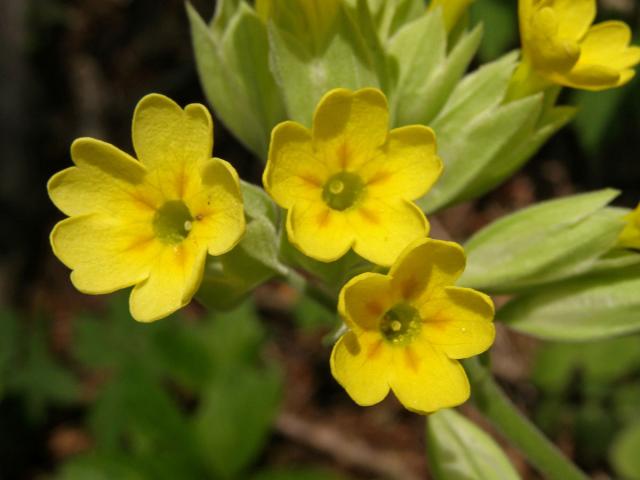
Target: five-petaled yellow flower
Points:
(630, 235)
(559, 46)
(148, 223)
(349, 182)
(408, 329)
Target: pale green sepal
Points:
(531, 137)
(225, 10)
(459, 450)
(541, 244)
(246, 52)
(257, 203)
(587, 308)
(391, 15)
(304, 75)
(425, 101)
(418, 50)
(468, 147)
(224, 89)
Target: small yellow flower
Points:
(452, 10)
(630, 235)
(349, 182)
(560, 45)
(408, 329)
(148, 223)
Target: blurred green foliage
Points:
(173, 399)
(593, 390)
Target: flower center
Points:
(172, 222)
(400, 324)
(342, 190)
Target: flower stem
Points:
(496, 406)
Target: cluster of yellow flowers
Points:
(346, 183)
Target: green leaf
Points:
(227, 89)
(100, 467)
(304, 75)
(234, 419)
(624, 453)
(459, 450)
(596, 113)
(257, 203)
(423, 103)
(245, 48)
(585, 308)
(309, 314)
(468, 146)
(531, 137)
(233, 338)
(540, 244)
(40, 378)
(225, 10)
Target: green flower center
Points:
(342, 190)
(400, 324)
(172, 222)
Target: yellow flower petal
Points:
(349, 126)
(459, 322)
(551, 51)
(217, 208)
(384, 228)
(105, 180)
(574, 16)
(166, 136)
(630, 235)
(174, 278)
(407, 166)
(364, 299)
(425, 380)
(360, 364)
(104, 253)
(318, 231)
(590, 77)
(293, 171)
(607, 43)
(425, 267)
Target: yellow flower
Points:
(408, 329)
(349, 182)
(560, 46)
(148, 223)
(452, 10)
(630, 235)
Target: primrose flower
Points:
(452, 10)
(408, 329)
(349, 182)
(147, 223)
(630, 235)
(560, 46)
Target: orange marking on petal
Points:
(343, 155)
(369, 215)
(374, 309)
(323, 218)
(411, 358)
(374, 350)
(316, 182)
(379, 177)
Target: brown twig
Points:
(347, 450)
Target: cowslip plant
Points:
(344, 101)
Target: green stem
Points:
(496, 406)
(302, 285)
